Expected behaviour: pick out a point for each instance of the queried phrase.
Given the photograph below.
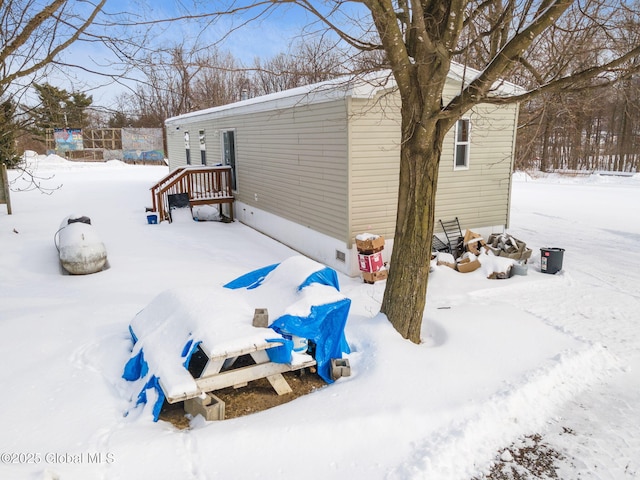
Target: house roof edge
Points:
(363, 86)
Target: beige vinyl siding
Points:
(176, 145)
(294, 161)
(374, 135)
(290, 162)
(479, 195)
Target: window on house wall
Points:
(203, 148)
(461, 157)
(229, 154)
(187, 148)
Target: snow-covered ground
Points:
(557, 354)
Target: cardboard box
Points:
(372, 277)
(369, 243)
(446, 264)
(466, 265)
(473, 241)
(370, 263)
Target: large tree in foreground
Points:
(551, 46)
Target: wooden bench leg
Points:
(279, 384)
(277, 381)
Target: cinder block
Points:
(209, 406)
(340, 368)
(261, 318)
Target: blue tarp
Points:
(281, 354)
(153, 383)
(324, 325)
(326, 276)
(252, 279)
(136, 367)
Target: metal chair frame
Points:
(438, 245)
(453, 232)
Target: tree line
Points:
(598, 129)
(178, 80)
(577, 132)
(593, 129)
(593, 125)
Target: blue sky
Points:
(266, 36)
(263, 37)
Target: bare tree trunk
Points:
(545, 161)
(405, 294)
(625, 133)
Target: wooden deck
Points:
(204, 185)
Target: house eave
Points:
(364, 87)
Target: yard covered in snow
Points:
(552, 354)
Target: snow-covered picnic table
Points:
(215, 326)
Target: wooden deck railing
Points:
(204, 185)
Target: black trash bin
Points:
(551, 259)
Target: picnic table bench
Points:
(219, 371)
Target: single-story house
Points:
(315, 166)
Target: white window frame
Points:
(462, 143)
(187, 147)
(202, 135)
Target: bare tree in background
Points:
(166, 90)
(591, 128)
(221, 80)
(33, 37)
(309, 61)
(178, 80)
(276, 74)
